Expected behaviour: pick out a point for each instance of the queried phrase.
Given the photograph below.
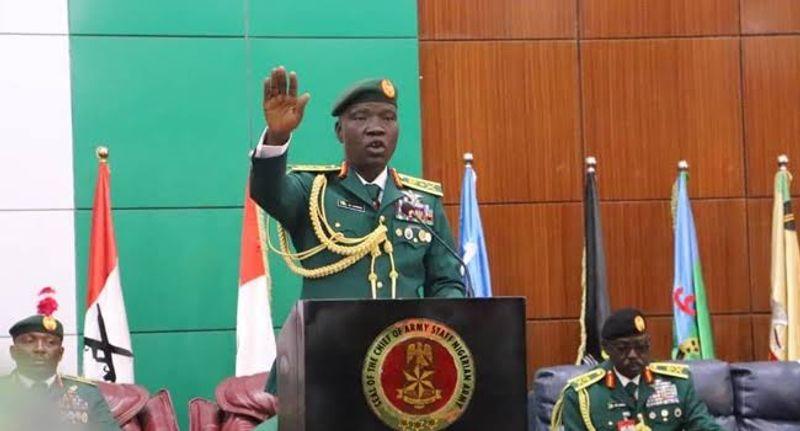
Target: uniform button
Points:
(380, 284)
(337, 224)
(383, 219)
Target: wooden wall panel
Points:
(772, 111)
(770, 16)
(515, 106)
(632, 18)
(759, 221)
(650, 103)
(639, 249)
(638, 239)
(552, 343)
(733, 339)
(496, 19)
(535, 251)
(761, 333)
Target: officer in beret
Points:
(35, 397)
(361, 229)
(628, 392)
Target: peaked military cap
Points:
(37, 323)
(627, 322)
(368, 90)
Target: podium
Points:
(409, 364)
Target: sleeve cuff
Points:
(269, 151)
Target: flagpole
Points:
(591, 165)
(783, 162)
(468, 158)
(683, 166)
(102, 154)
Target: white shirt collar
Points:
(29, 382)
(379, 181)
(624, 380)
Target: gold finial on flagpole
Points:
(468, 158)
(683, 165)
(591, 164)
(783, 162)
(102, 154)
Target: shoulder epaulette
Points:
(426, 186)
(314, 168)
(670, 369)
(587, 379)
(83, 380)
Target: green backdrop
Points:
(173, 89)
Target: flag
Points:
(255, 339)
(595, 305)
(107, 351)
(473, 246)
(691, 325)
(784, 340)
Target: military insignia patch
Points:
(418, 374)
(411, 208)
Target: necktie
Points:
(374, 191)
(630, 388)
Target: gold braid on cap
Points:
(353, 249)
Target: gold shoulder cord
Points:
(585, 408)
(353, 249)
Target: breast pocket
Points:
(410, 236)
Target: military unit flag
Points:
(594, 305)
(784, 339)
(473, 245)
(107, 354)
(691, 326)
(255, 337)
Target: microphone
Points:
(468, 279)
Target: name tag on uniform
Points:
(350, 206)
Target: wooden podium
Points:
(422, 364)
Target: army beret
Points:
(368, 90)
(37, 323)
(627, 322)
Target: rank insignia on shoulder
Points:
(80, 380)
(587, 379)
(411, 208)
(426, 186)
(670, 369)
(314, 168)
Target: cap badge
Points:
(388, 88)
(639, 322)
(49, 323)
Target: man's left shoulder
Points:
(670, 369)
(419, 184)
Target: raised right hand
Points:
(283, 109)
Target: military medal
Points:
(411, 208)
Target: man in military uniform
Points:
(35, 397)
(628, 392)
(361, 230)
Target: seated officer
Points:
(35, 397)
(628, 392)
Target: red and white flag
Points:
(255, 339)
(107, 354)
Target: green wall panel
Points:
(333, 18)
(189, 364)
(325, 67)
(179, 267)
(174, 113)
(157, 17)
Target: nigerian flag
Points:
(691, 325)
